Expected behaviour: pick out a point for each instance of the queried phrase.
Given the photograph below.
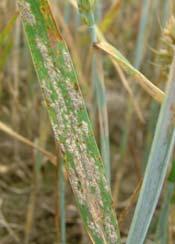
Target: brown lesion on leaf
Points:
(54, 34)
(53, 37)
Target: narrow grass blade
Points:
(5, 41)
(70, 121)
(5, 53)
(140, 45)
(6, 31)
(148, 86)
(161, 151)
(110, 16)
(162, 226)
(154, 112)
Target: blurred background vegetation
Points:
(29, 208)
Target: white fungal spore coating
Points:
(74, 95)
(85, 127)
(26, 12)
(67, 60)
(95, 228)
(85, 176)
(110, 230)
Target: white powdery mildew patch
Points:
(90, 185)
(71, 144)
(85, 128)
(82, 130)
(84, 179)
(74, 95)
(67, 60)
(26, 12)
(77, 136)
(95, 228)
(53, 74)
(76, 187)
(59, 106)
(110, 230)
(61, 111)
(106, 185)
(57, 134)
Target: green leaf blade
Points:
(70, 121)
(159, 157)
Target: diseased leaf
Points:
(70, 121)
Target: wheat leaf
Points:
(159, 158)
(70, 121)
